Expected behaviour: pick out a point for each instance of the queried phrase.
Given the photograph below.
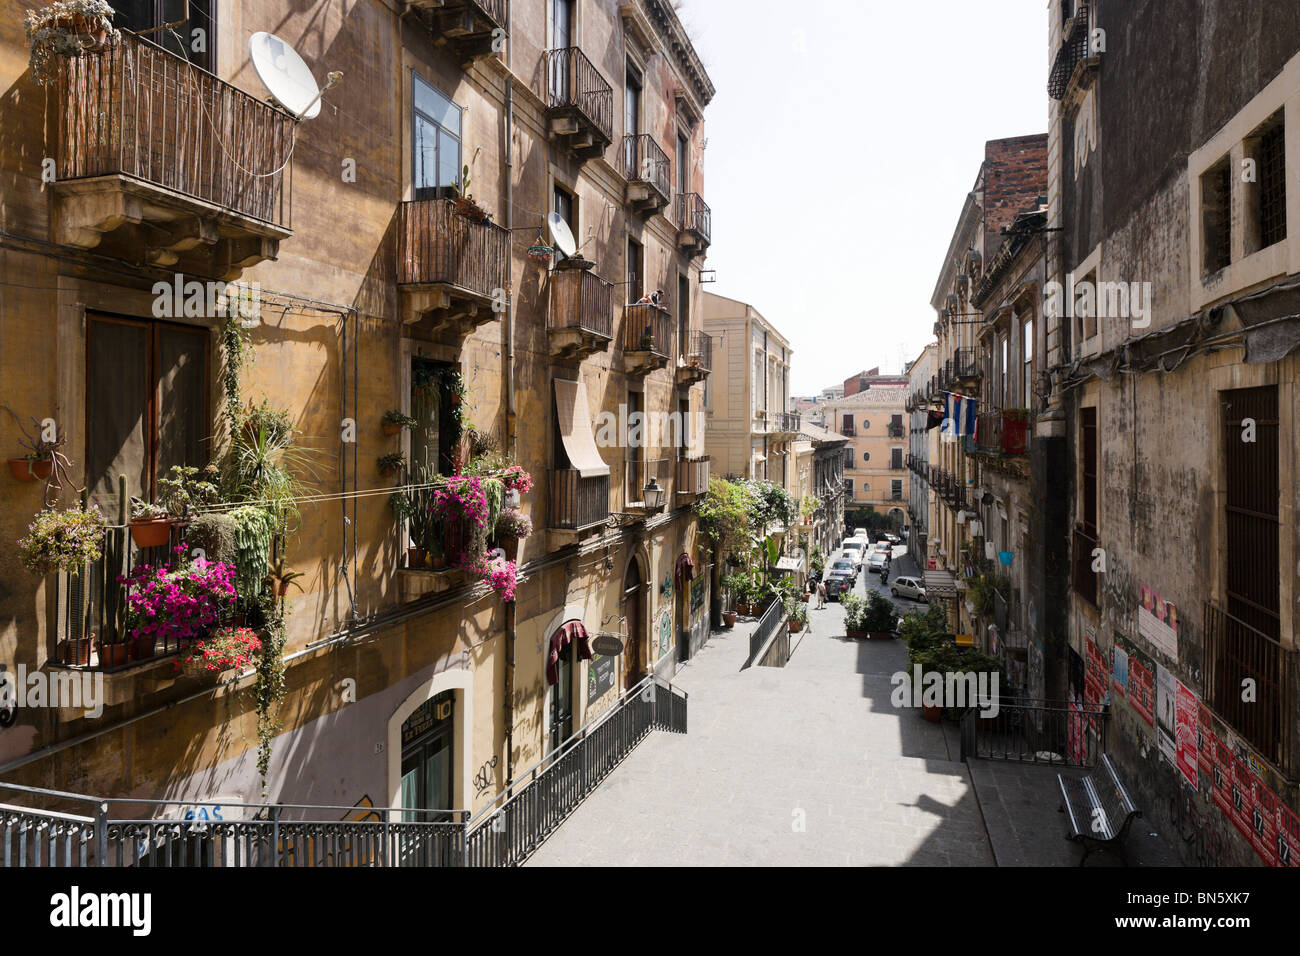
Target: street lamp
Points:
(653, 495)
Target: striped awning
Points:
(939, 583)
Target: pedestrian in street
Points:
(821, 595)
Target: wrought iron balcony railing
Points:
(965, 363)
(695, 217)
(645, 162)
(140, 111)
(581, 301)
(648, 328)
(577, 502)
(1236, 653)
(1002, 432)
(438, 247)
(699, 351)
(574, 85)
(1073, 51)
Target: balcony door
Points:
(146, 16)
(560, 16)
(436, 435)
(146, 405)
(427, 751)
(632, 121)
(436, 137)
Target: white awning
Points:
(575, 429)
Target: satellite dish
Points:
(562, 235)
(283, 72)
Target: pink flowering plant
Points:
(513, 523)
(177, 606)
(501, 576)
(515, 478)
(462, 498)
(228, 648)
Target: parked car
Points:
(860, 532)
(878, 561)
(845, 565)
(853, 549)
(911, 588)
(838, 583)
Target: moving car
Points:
(853, 548)
(840, 580)
(844, 565)
(908, 587)
(893, 538)
(878, 561)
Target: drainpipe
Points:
(511, 431)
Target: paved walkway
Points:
(805, 765)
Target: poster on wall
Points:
(1243, 796)
(1288, 836)
(1263, 823)
(1119, 670)
(1166, 714)
(665, 632)
(1204, 740)
(1078, 749)
(1187, 715)
(1141, 681)
(1095, 683)
(1222, 776)
(1158, 622)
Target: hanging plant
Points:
(255, 530)
(66, 28)
(268, 693)
(62, 540)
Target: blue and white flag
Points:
(960, 411)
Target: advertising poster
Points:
(1263, 823)
(1158, 622)
(1078, 749)
(1222, 776)
(1119, 671)
(1187, 713)
(1288, 836)
(1166, 714)
(1095, 681)
(1141, 682)
(1204, 740)
(1243, 797)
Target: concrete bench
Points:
(1098, 808)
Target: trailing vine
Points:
(236, 343)
(268, 692)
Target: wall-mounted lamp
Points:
(654, 495)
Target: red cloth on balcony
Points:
(574, 630)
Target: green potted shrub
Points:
(798, 612)
(395, 421)
(151, 525)
(394, 463)
(186, 489)
(854, 609)
(733, 586)
(880, 617)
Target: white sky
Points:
(836, 174)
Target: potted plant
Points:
(174, 607)
(151, 525)
(112, 653)
(62, 540)
(66, 28)
(186, 489)
(465, 204)
(395, 421)
(392, 463)
(436, 553)
(512, 527)
(228, 648)
(76, 650)
(854, 609)
(798, 612)
(31, 467)
(733, 588)
(880, 617)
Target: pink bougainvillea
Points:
(462, 498)
(499, 574)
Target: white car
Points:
(910, 588)
(878, 560)
(853, 551)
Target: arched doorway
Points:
(684, 574)
(634, 651)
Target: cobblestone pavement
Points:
(805, 765)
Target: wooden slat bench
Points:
(1098, 808)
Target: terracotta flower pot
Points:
(76, 651)
(415, 557)
(932, 714)
(729, 618)
(392, 428)
(795, 626)
(511, 547)
(141, 648)
(112, 655)
(151, 532)
(855, 633)
(438, 561)
(25, 469)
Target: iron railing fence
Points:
(577, 502)
(694, 215)
(76, 830)
(1073, 50)
(699, 351)
(1030, 730)
(574, 83)
(772, 617)
(645, 162)
(581, 300)
(1235, 653)
(965, 363)
(437, 246)
(648, 328)
(138, 110)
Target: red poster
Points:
(1224, 761)
(1243, 797)
(1096, 671)
(1205, 741)
(1186, 711)
(1142, 689)
(1078, 750)
(1263, 821)
(1288, 836)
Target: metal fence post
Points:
(101, 834)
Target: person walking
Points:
(821, 595)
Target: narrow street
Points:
(806, 765)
